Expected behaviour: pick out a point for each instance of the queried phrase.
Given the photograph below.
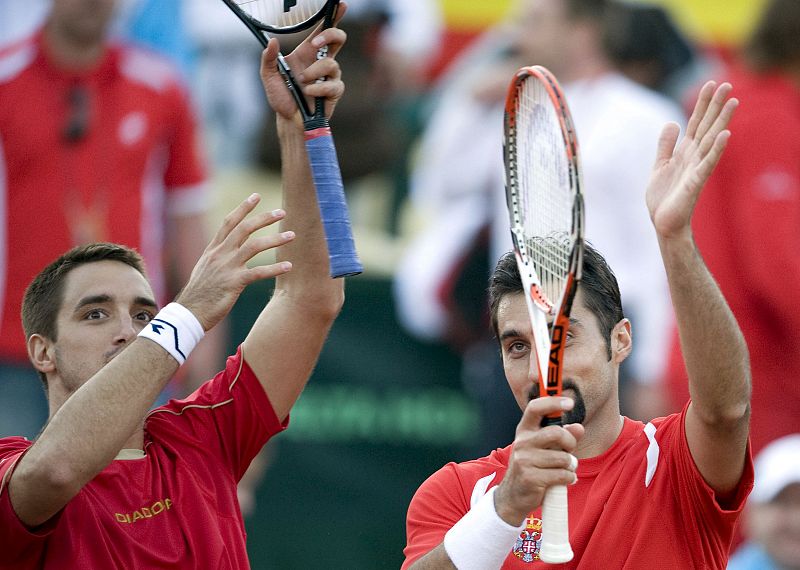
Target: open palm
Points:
(680, 172)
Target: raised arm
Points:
(717, 362)
(105, 414)
(284, 343)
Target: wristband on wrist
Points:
(176, 330)
(481, 539)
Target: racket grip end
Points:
(555, 527)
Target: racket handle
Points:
(332, 204)
(555, 547)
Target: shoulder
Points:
(16, 58)
(11, 449)
(12, 445)
(147, 68)
(471, 477)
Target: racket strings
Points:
(281, 13)
(545, 191)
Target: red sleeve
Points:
(21, 545)
(437, 505)
(230, 416)
(708, 524)
(185, 174)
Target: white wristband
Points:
(481, 540)
(176, 330)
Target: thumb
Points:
(269, 58)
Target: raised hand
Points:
(540, 458)
(306, 70)
(680, 172)
(221, 273)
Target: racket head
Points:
(283, 16)
(545, 206)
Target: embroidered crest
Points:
(529, 540)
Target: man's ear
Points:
(41, 352)
(621, 341)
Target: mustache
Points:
(567, 384)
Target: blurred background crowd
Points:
(143, 121)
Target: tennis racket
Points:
(545, 206)
(264, 17)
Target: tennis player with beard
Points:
(663, 495)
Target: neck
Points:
(601, 431)
(69, 51)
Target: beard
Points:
(577, 415)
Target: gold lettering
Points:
(145, 512)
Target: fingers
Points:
(233, 219)
(254, 246)
(261, 272)
(667, 141)
(703, 100)
(719, 125)
(334, 38)
(248, 226)
(715, 104)
(541, 407)
(709, 162)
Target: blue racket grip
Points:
(332, 204)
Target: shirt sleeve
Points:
(707, 521)
(230, 416)
(21, 545)
(185, 178)
(435, 508)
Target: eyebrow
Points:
(514, 333)
(102, 299)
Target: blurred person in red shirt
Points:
(747, 223)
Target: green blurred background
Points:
(380, 414)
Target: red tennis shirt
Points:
(176, 507)
(640, 504)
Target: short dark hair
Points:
(775, 43)
(599, 285)
(44, 295)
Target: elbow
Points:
(57, 477)
(728, 417)
(325, 304)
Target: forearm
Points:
(310, 278)
(714, 349)
(436, 559)
(89, 430)
(297, 319)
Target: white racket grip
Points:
(555, 527)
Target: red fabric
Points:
(747, 227)
(139, 150)
(174, 508)
(615, 520)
